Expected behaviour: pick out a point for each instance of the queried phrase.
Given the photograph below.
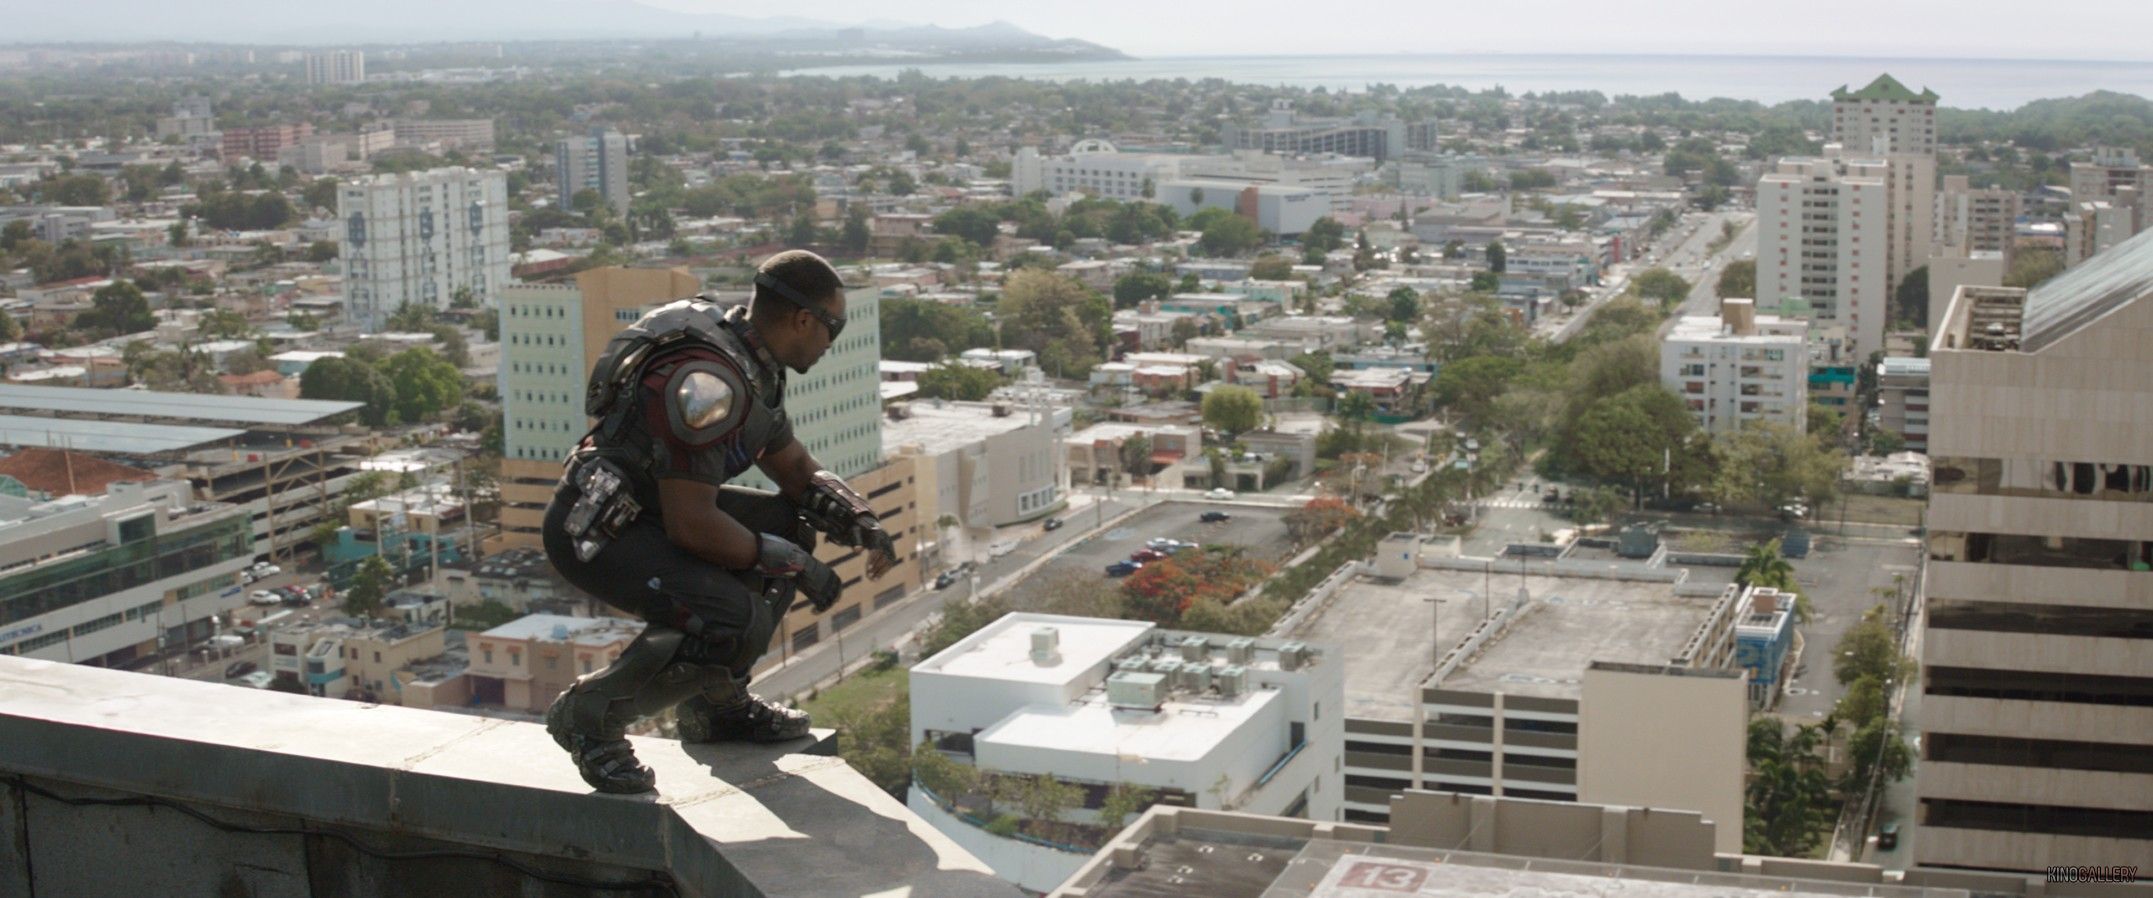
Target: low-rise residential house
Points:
(528, 662)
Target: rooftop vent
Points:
(1046, 646)
(1241, 651)
(1292, 655)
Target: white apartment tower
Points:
(1975, 221)
(1822, 235)
(1737, 367)
(336, 67)
(1888, 122)
(598, 161)
(420, 237)
(2037, 647)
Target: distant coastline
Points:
(1963, 83)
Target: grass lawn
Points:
(1874, 510)
(862, 692)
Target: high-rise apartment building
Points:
(2111, 170)
(552, 334)
(336, 67)
(2037, 648)
(1822, 234)
(422, 238)
(598, 162)
(1975, 221)
(1896, 126)
(1737, 367)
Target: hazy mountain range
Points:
(430, 21)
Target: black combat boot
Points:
(750, 718)
(604, 758)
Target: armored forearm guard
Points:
(833, 508)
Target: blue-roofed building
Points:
(1763, 635)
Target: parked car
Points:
(1213, 517)
(265, 569)
(1175, 547)
(238, 669)
(947, 578)
(1219, 492)
(1161, 542)
(1123, 568)
(1141, 556)
(1552, 495)
(1001, 548)
(264, 597)
(1887, 836)
(1053, 524)
(259, 679)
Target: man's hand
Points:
(780, 557)
(881, 549)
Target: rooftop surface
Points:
(1574, 621)
(169, 406)
(949, 426)
(1181, 730)
(544, 626)
(1382, 630)
(1219, 864)
(1003, 650)
(117, 437)
(1709, 327)
(736, 819)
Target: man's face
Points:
(811, 334)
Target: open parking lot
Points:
(1260, 530)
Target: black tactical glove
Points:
(881, 549)
(780, 557)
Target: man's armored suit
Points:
(688, 392)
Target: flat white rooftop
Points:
(1178, 731)
(1003, 650)
(952, 425)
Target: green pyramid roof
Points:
(1888, 89)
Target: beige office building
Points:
(2037, 651)
(1823, 231)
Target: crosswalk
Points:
(1535, 504)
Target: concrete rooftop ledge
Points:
(728, 820)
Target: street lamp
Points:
(1435, 626)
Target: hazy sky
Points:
(2101, 29)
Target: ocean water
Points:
(1960, 83)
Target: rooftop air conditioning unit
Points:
(1131, 689)
(1232, 680)
(1196, 677)
(1195, 648)
(1292, 655)
(1168, 668)
(1046, 646)
(1241, 651)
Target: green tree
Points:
(1353, 409)
(1230, 235)
(352, 380)
(1486, 282)
(1871, 649)
(1137, 286)
(2031, 266)
(962, 382)
(1739, 278)
(971, 222)
(1233, 410)
(10, 329)
(1271, 267)
(802, 232)
(1498, 257)
(1046, 799)
(369, 588)
(1764, 566)
(918, 330)
(1629, 438)
(1123, 801)
(1324, 235)
(1135, 456)
(1662, 286)
(117, 308)
(1470, 386)
(1876, 750)
(1317, 365)
(425, 383)
(411, 318)
(75, 190)
(320, 193)
(1910, 302)
(1058, 318)
(222, 324)
(942, 775)
(1404, 305)
(856, 234)
(1774, 464)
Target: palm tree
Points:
(1763, 566)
